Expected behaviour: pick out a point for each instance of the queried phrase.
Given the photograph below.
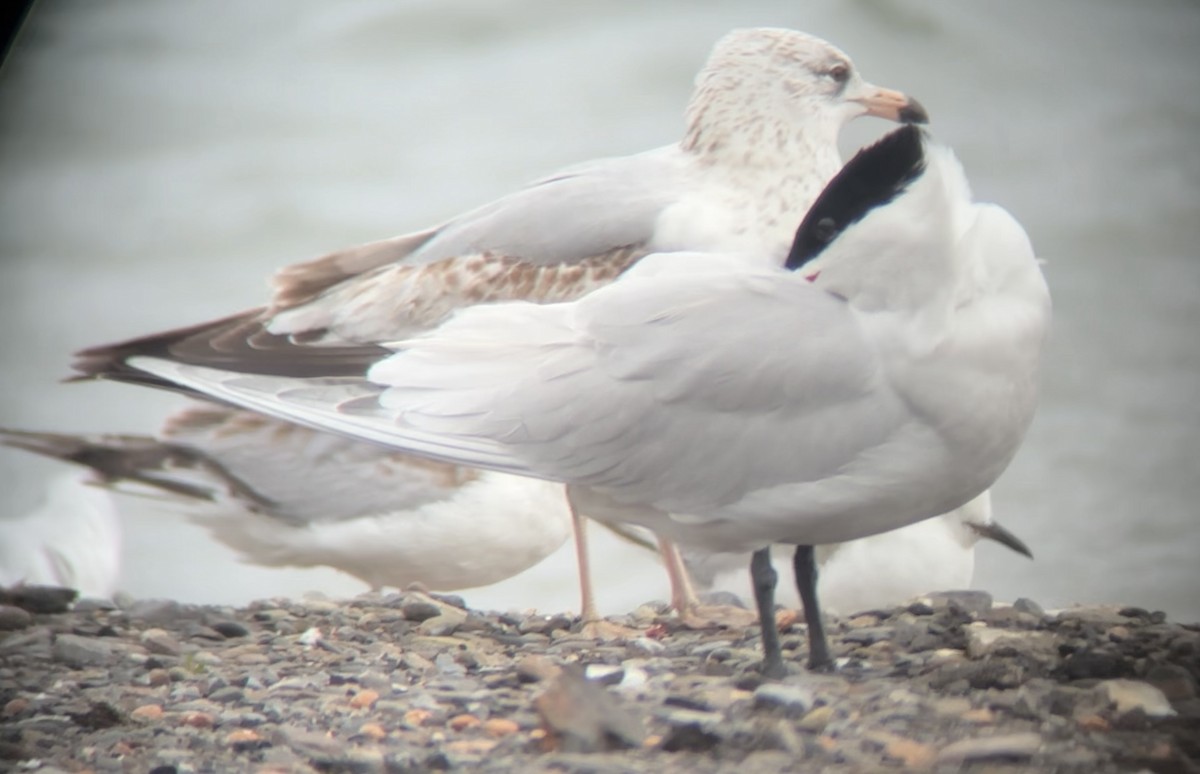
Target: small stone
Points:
(911, 753)
(373, 731)
(1176, 683)
(982, 716)
(444, 624)
(15, 707)
(532, 669)
(605, 674)
(417, 717)
(147, 713)
(76, 651)
(691, 730)
(1093, 722)
(197, 719)
(364, 699)
(1007, 747)
(795, 700)
(227, 695)
(158, 677)
(159, 641)
(969, 600)
(816, 719)
(241, 736)
(230, 629)
(500, 727)
(786, 618)
(154, 610)
(1130, 695)
(1026, 605)
(462, 722)
(417, 609)
(983, 641)
(13, 618)
(471, 747)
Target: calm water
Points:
(159, 160)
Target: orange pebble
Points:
(416, 717)
(500, 727)
(462, 722)
(364, 699)
(242, 735)
(147, 712)
(785, 619)
(197, 719)
(373, 731)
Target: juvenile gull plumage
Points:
(886, 374)
(760, 142)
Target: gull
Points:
(73, 540)
(882, 570)
(885, 374)
(760, 141)
(282, 495)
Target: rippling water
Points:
(159, 160)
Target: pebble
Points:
(984, 641)
(1130, 695)
(13, 618)
(147, 712)
(794, 700)
(76, 651)
(1013, 747)
(280, 686)
(159, 641)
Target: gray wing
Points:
(642, 389)
(552, 241)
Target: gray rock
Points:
(794, 700)
(969, 600)
(160, 642)
(76, 651)
(229, 629)
(13, 618)
(155, 611)
(227, 694)
(1176, 683)
(1026, 605)
(418, 610)
(444, 624)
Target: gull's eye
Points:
(840, 73)
(825, 230)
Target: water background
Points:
(159, 160)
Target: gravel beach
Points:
(412, 682)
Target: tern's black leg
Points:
(764, 577)
(805, 564)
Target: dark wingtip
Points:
(1001, 535)
(876, 175)
(236, 343)
(914, 113)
